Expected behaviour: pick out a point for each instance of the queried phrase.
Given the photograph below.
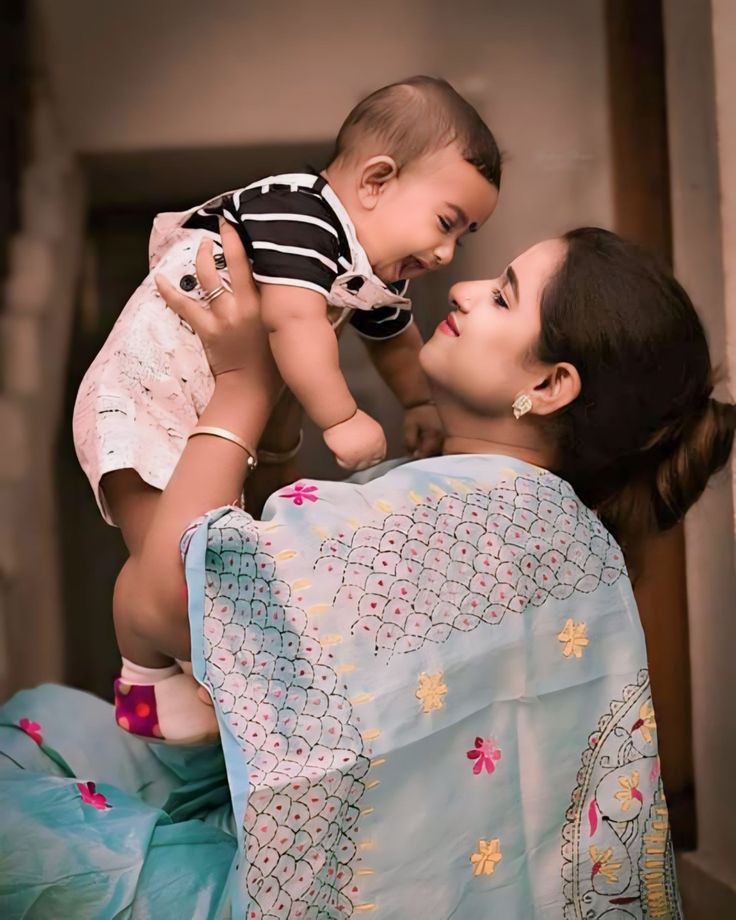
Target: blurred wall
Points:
(143, 76)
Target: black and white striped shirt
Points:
(297, 233)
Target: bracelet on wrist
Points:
(226, 435)
(274, 457)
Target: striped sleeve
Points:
(289, 236)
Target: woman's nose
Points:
(458, 300)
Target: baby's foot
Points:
(170, 711)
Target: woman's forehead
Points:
(534, 267)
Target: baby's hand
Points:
(423, 434)
(356, 443)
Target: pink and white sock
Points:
(162, 703)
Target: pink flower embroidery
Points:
(593, 817)
(485, 754)
(90, 797)
(299, 493)
(33, 729)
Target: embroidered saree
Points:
(433, 698)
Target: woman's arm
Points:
(211, 470)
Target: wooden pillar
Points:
(638, 114)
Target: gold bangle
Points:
(273, 457)
(226, 436)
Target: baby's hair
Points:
(415, 118)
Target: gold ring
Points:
(209, 296)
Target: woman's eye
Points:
(445, 224)
(498, 298)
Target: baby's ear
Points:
(375, 174)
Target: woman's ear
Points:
(374, 176)
(558, 389)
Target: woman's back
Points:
(435, 698)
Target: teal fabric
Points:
(434, 702)
(152, 838)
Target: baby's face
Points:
(422, 214)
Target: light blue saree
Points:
(433, 697)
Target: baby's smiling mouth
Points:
(411, 267)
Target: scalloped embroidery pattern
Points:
(278, 689)
(456, 561)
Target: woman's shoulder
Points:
(492, 480)
(514, 510)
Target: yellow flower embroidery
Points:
(629, 790)
(573, 635)
(488, 856)
(430, 691)
(602, 863)
(646, 723)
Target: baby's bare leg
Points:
(153, 698)
(132, 504)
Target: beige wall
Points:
(138, 76)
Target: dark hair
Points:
(644, 436)
(416, 117)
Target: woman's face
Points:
(481, 353)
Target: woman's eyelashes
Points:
(499, 299)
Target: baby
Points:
(414, 169)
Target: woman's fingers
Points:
(241, 276)
(207, 274)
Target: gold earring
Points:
(521, 405)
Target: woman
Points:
(431, 688)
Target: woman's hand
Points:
(230, 328)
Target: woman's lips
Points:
(449, 326)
